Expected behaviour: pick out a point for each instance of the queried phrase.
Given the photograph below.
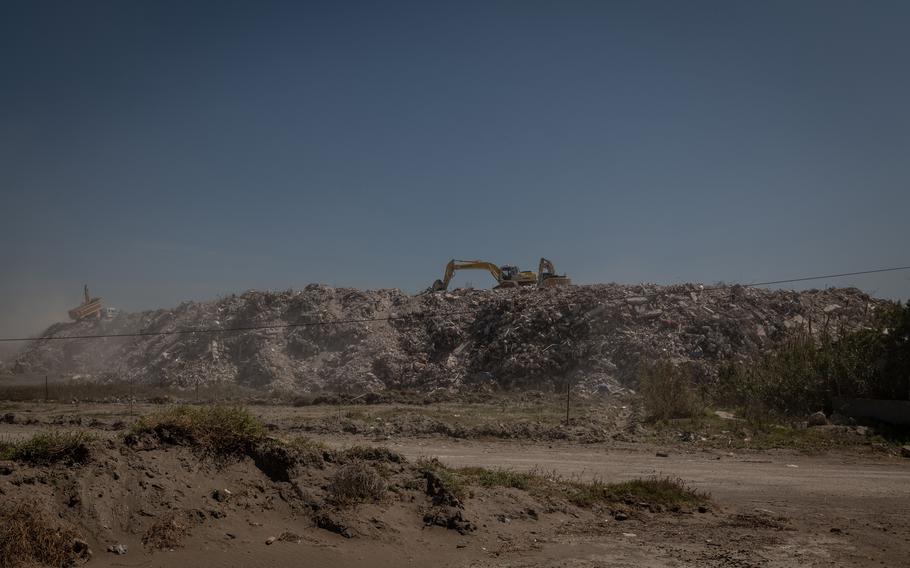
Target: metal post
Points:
(568, 392)
(46, 397)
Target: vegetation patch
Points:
(808, 372)
(664, 491)
(46, 448)
(497, 477)
(220, 431)
(669, 391)
(29, 536)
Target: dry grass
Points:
(29, 536)
(169, 530)
(70, 448)
(356, 482)
(219, 431)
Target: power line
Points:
(213, 330)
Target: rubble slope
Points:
(350, 340)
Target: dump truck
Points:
(90, 307)
(506, 276)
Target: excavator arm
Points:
(547, 277)
(456, 265)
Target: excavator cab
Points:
(509, 272)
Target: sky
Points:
(175, 150)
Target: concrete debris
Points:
(594, 336)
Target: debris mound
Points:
(353, 341)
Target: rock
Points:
(662, 454)
(270, 540)
(221, 495)
(702, 509)
(905, 451)
(7, 467)
(620, 516)
(334, 525)
(9, 418)
(839, 419)
(81, 549)
(450, 518)
(117, 548)
(438, 491)
(817, 419)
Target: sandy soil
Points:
(773, 508)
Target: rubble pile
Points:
(347, 340)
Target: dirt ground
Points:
(847, 506)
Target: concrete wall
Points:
(892, 411)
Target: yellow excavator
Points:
(91, 307)
(506, 276)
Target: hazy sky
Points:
(162, 151)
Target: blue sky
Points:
(164, 151)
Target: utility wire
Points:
(415, 316)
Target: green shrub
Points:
(71, 448)
(215, 430)
(665, 491)
(807, 373)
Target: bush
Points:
(669, 391)
(215, 430)
(70, 448)
(356, 482)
